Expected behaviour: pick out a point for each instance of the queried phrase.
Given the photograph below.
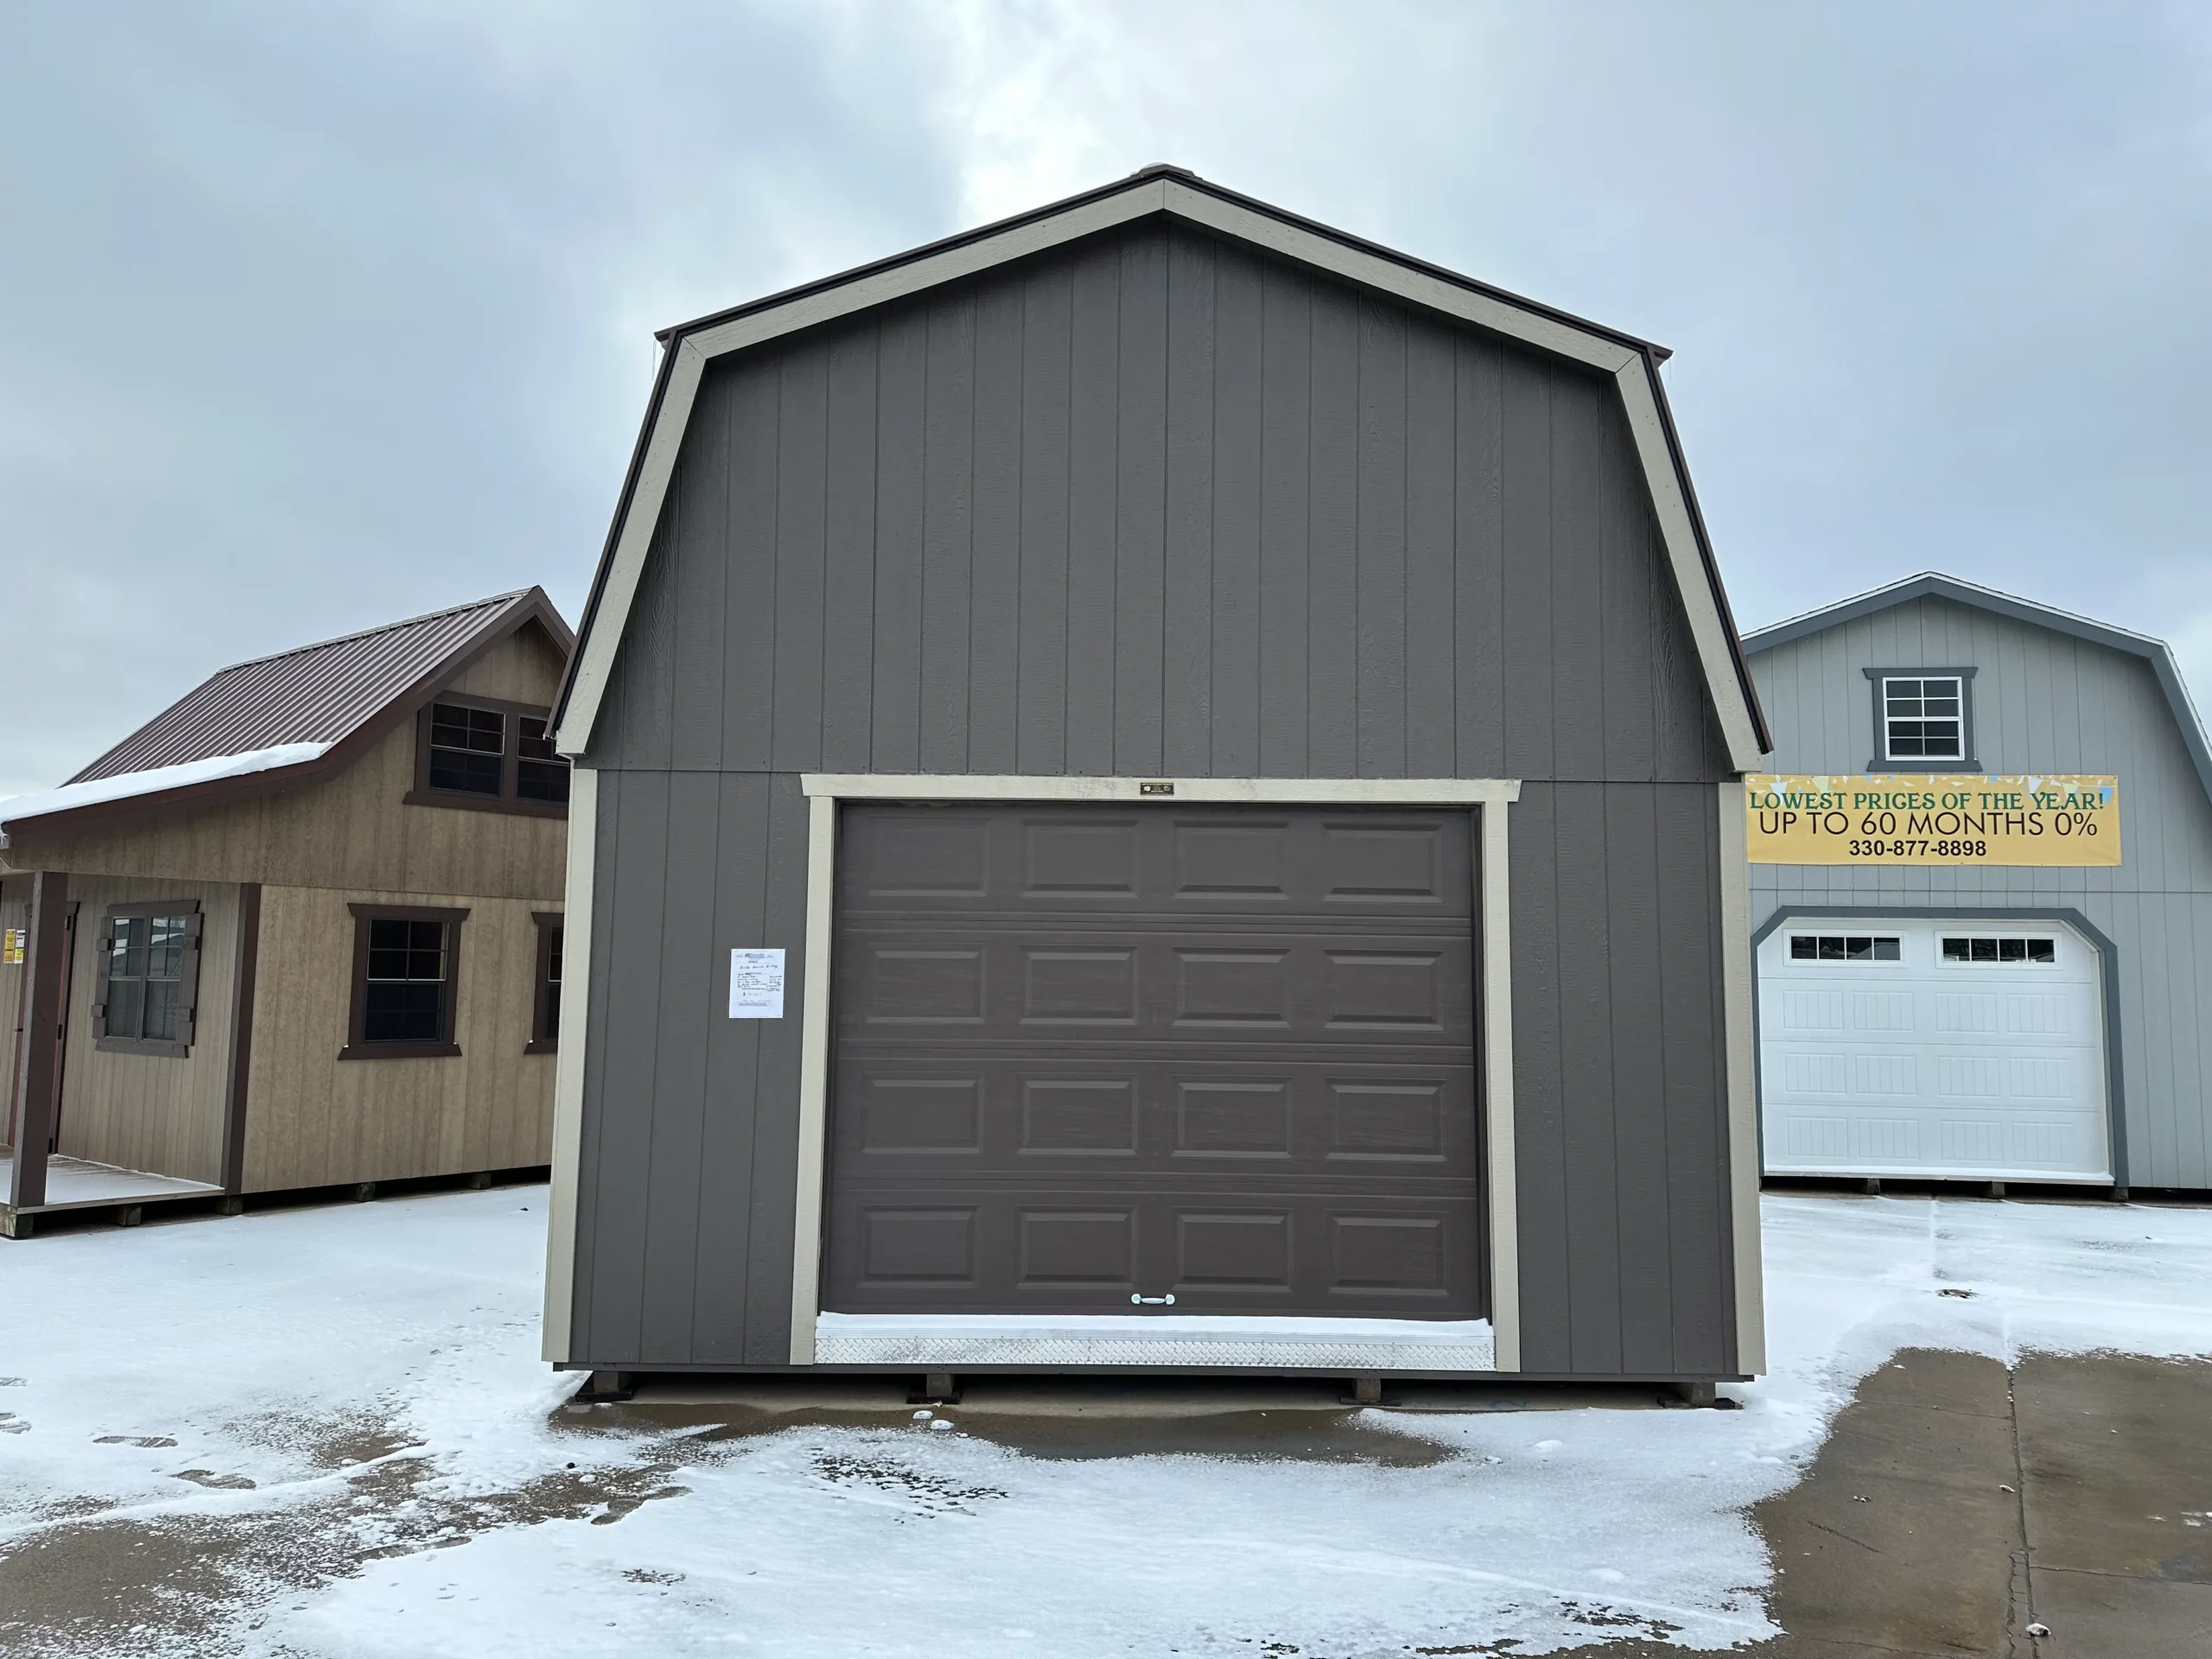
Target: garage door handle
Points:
(1153, 1301)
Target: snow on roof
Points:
(156, 780)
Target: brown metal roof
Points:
(322, 693)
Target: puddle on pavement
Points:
(1287, 1419)
(177, 1582)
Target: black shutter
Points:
(187, 988)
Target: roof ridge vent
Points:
(382, 627)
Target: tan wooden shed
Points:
(300, 930)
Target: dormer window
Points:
(479, 753)
(1923, 720)
(468, 747)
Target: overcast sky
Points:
(312, 317)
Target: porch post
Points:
(38, 1073)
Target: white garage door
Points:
(1945, 1048)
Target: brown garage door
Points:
(1092, 1053)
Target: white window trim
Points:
(1889, 720)
(1488, 797)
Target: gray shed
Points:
(1158, 786)
(2033, 1025)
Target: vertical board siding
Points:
(995, 570)
(1155, 505)
(314, 1119)
(848, 556)
(1233, 602)
(738, 898)
(901, 387)
(2043, 702)
(1617, 1073)
(802, 560)
(1094, 465)
(1141, 507)
(162, 1113)
(947, 533)
(1381, 557)
(1284, 416)
(1187, 641)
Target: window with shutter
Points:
(148, 992)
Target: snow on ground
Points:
(372, 1372)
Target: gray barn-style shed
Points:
(2078, 1054)
(1235, 736)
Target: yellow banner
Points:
(1923, 819)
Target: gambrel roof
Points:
(1175, 194)
(298, 715)
(1929, 584)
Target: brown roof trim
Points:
(527, 604)
(1145, 175)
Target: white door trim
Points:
(1488, 796)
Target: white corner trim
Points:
(1391, 276)
(604, 629)
(1121, 1340)
(1736, 977)
(1279, 792)
(813, 1074)
(1708, 629)
(1502, 1186)
(569, 1064)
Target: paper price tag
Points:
(756, 984)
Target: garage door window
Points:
(1843, 947)
(2025, 951)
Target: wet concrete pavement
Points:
(1955, 1506)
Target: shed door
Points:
(1942, 1048)
(1089, 1054)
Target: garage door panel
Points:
(1410, 1119)
(952, 860)
(1083, 1117)
(1288, 985)
(1023, 1113)
(1928, 1059)
(1215, 1249)
(905, 984)
(1086, 1054)
(902, 1115)
(1234, 859)
(1089, 1247)
(914, 858)
(1233, 1118)
(1089, 859)
(918, 1245)
(1063, 986)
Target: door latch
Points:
(1155, 1302)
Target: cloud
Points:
(311, 317)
